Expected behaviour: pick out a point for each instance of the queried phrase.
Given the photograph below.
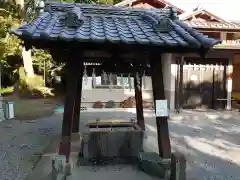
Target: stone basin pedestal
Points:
(112, 139)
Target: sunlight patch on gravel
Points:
(216, 147)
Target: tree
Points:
(10, 47)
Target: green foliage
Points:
(31, 87)
(31, 10)
(10, 46)
(42, 60)
(6, 91)
(11, 16)
(10, 7)
(69, 1)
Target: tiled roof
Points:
(101, 24)
(198, 23)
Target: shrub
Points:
(110, 104)
(98, 105)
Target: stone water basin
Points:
(112, 138)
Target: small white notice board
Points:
(161, 108)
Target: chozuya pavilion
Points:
(114, 37)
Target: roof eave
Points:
(214, 43)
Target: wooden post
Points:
(69, 106)
(76, 119)
(179, 84)
(158, 94)
(138, 99)
(177, 100)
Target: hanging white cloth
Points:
(94, 78)
(111, 83)
(85, 76)
(121, 81)
(104, 74)
(144, 80)
(130, 82)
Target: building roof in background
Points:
(215, 22)
(127, 2)
(212, 22)
(200, 11)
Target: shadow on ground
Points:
(208, 140)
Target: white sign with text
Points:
(161, 108)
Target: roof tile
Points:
(99, 24)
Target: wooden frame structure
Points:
(115, 37)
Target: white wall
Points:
(91, 95)
(117, 95)
(169, 75)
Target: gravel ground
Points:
(22, 143)
(209, 140)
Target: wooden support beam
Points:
(69, 106)
(158, 94)
(179, 80)
(102, 54)
(181, 99)
(76, 119)
(139, 101)
(177, 87)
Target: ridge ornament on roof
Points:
(162, 24)
(74, 18)
(91, 23)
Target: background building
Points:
(190, 81)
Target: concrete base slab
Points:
(178, 166)
(152, 164)
(43, 170)
(116, 172)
